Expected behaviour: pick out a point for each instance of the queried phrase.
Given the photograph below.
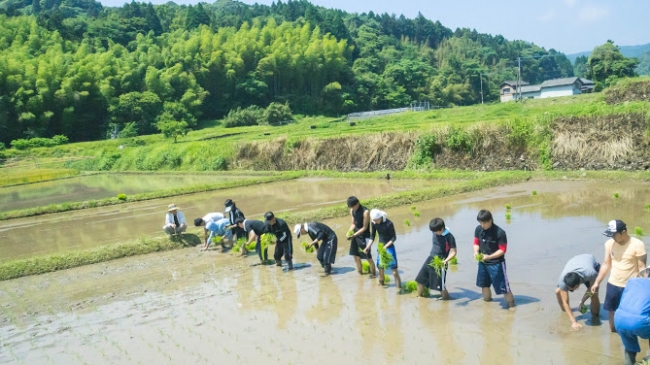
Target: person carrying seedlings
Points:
(254, 229)
(359, 235)
(443, 247)
(581, 269)
(282, 233)
(198, 222)
(320, 232)
(174, 221)
(625, 256)
(490, 245)
(632, 317)
(217, 229)
(233, 213)
(386, 230)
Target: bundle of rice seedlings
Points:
(454, 260)
(236, 248)
(583, 309)
(534, 192)
(267, 239)
(307, 248)
(413, 207)
(478, 257)
(385, 258)
(412, 286)
(386, 279)
(217, 240)
(365, 267)
(437, 264)
(407, 222)
(508, 206)
(417, 214)
(638, 231)
(508, 216)
(251, 246)
(350, 233)
(616, 196)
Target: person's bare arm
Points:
(366, 223)
(352, 225)
(604, 269)
(452, 254)
(642, 262)
(494, 256)
(564, 295)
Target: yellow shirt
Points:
(625, 262)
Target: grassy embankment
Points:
(462, 182)
(11, 177)
(217, 148)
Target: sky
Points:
(568, 26)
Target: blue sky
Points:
(569, 26)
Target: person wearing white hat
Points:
(174, 221)
(233, 213)
(319, 232)
(386, 230)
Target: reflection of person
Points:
(319, 232)
(174, 221)
(632, 318)
(386, 230)
(581, 269)
(216, 228)
(233, 213)
(444, 247)
(360, 241)
(491, 242)
(282, 233)
(198, 222)
(625, 256)
(254, 229)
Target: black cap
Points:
(352, 201)
(228, 202)
(615, 226)
(268, 216)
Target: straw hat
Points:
(172, 207)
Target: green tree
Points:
(171, 128)
(606, 62)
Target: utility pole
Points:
(519, 78)
(481, 77)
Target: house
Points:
(549, 89)
(508, 89)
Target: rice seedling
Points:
(616, 196)
(413, 207)
(266, 240)
(121, 196)
(236, 248)
(454, 260)
(411, 286)
(508, 216)
(350, 233)
(534, 192)
(251, 246)
(407, 222)
(386, 279)
(385, 258)
(417, 214)
(638, 231)
(478, 257)
(365, 267)
(217, 240)
(437, 264)
(583, 309)
(508, 206)
(307, 248)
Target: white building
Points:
(548, 89)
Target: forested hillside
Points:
(75, 68)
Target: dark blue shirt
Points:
(441, 245)
(386, 230)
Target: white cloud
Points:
(570, 3)
(546, 17)
(592, 13)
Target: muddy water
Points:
(186, 307)
(59, 232)
(97, 187)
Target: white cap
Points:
(296, 230)
(376, 214)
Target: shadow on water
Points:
(342, 270)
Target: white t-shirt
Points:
(212, 217)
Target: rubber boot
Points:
(328, 269)
(290, 264)
(278, 263)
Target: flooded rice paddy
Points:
(100, 186)
(60, 232)
(183, 307)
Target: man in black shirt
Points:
(360, 241)
(282, 233)
(254, 229)
(490, 241)
(443, 245)
(319, 232)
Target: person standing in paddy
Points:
(254, 229)
(360, 241)
(233, 213)
(386, 230)
(444, 247)
(282, 233)
(491, 242)
(625, 256)
(320, 232)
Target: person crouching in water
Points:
(382, 225)
(217, 229)
(444, 247)
(632, 317)
(319, 232)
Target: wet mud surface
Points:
(185, 306)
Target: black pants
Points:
(238, 233)
(283, 248)
(327, 252)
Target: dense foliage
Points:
(75, 68)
